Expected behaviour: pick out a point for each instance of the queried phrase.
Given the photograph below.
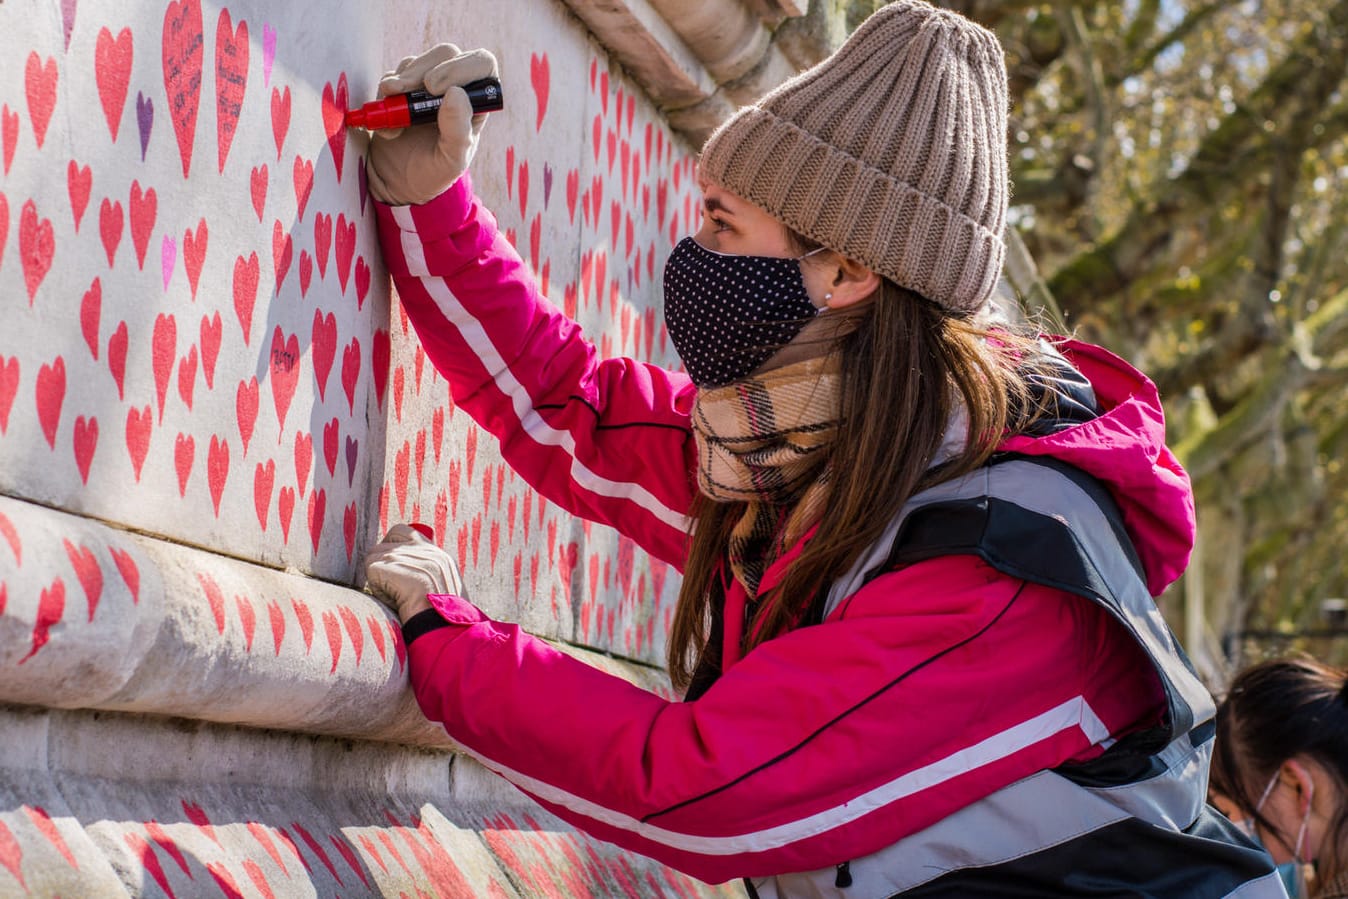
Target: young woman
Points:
(915, 627)
(1281, 762)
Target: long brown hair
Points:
(1276, 710)
(905, 367)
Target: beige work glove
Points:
(417, 164)
(405, 567)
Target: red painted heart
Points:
(182, 66)
(79, 182)
(231, 80)
(39, 81)
(37, 246)
(335, 101)
(139, 423)
(112, 73)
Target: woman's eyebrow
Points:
(712, 204)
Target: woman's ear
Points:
(1296, 773)
(852, 283)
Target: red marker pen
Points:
(418, 107)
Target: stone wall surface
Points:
(211, 405)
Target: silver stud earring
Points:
(827, 297)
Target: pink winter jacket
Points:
(930, 688)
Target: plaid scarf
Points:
(765, 441)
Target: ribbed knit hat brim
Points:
(892, 152)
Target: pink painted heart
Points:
(164, 350)
(79, 182)
(335, 101)
(280, 117)
(324, 344)
(182, 67)
(210, 332)
(284, 371)
(37, 246)
(168, 258)
(245, 292)
(86, 441)
(194, 253)
(141, 210)
(217, 470)
(51, 394)
(268, 55)
(139, 423)
(184, 454)
(231, 80)
(39, 81)
(112, 74)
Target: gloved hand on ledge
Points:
(405, 567)
(416, 165)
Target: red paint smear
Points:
(197, 816)
(149, 861)
(228, 885)
(285, 838)
(50, 608)
(165, 842)
(393, 850)
(264, 839)
(372, 852)
(318, 850)
(11, 855)
(44, 823)
(351, 859)
(258, 878)
(11, 537)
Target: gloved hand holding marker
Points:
(445, 86)
(419, 107)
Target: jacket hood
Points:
(1123, 447)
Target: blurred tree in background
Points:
(1177, 168)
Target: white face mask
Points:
(1293, 873)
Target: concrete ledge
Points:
(98, 618)
(103, 804)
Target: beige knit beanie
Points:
(892, 152)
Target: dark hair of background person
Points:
(1276, 710)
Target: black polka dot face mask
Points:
(728, 314)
